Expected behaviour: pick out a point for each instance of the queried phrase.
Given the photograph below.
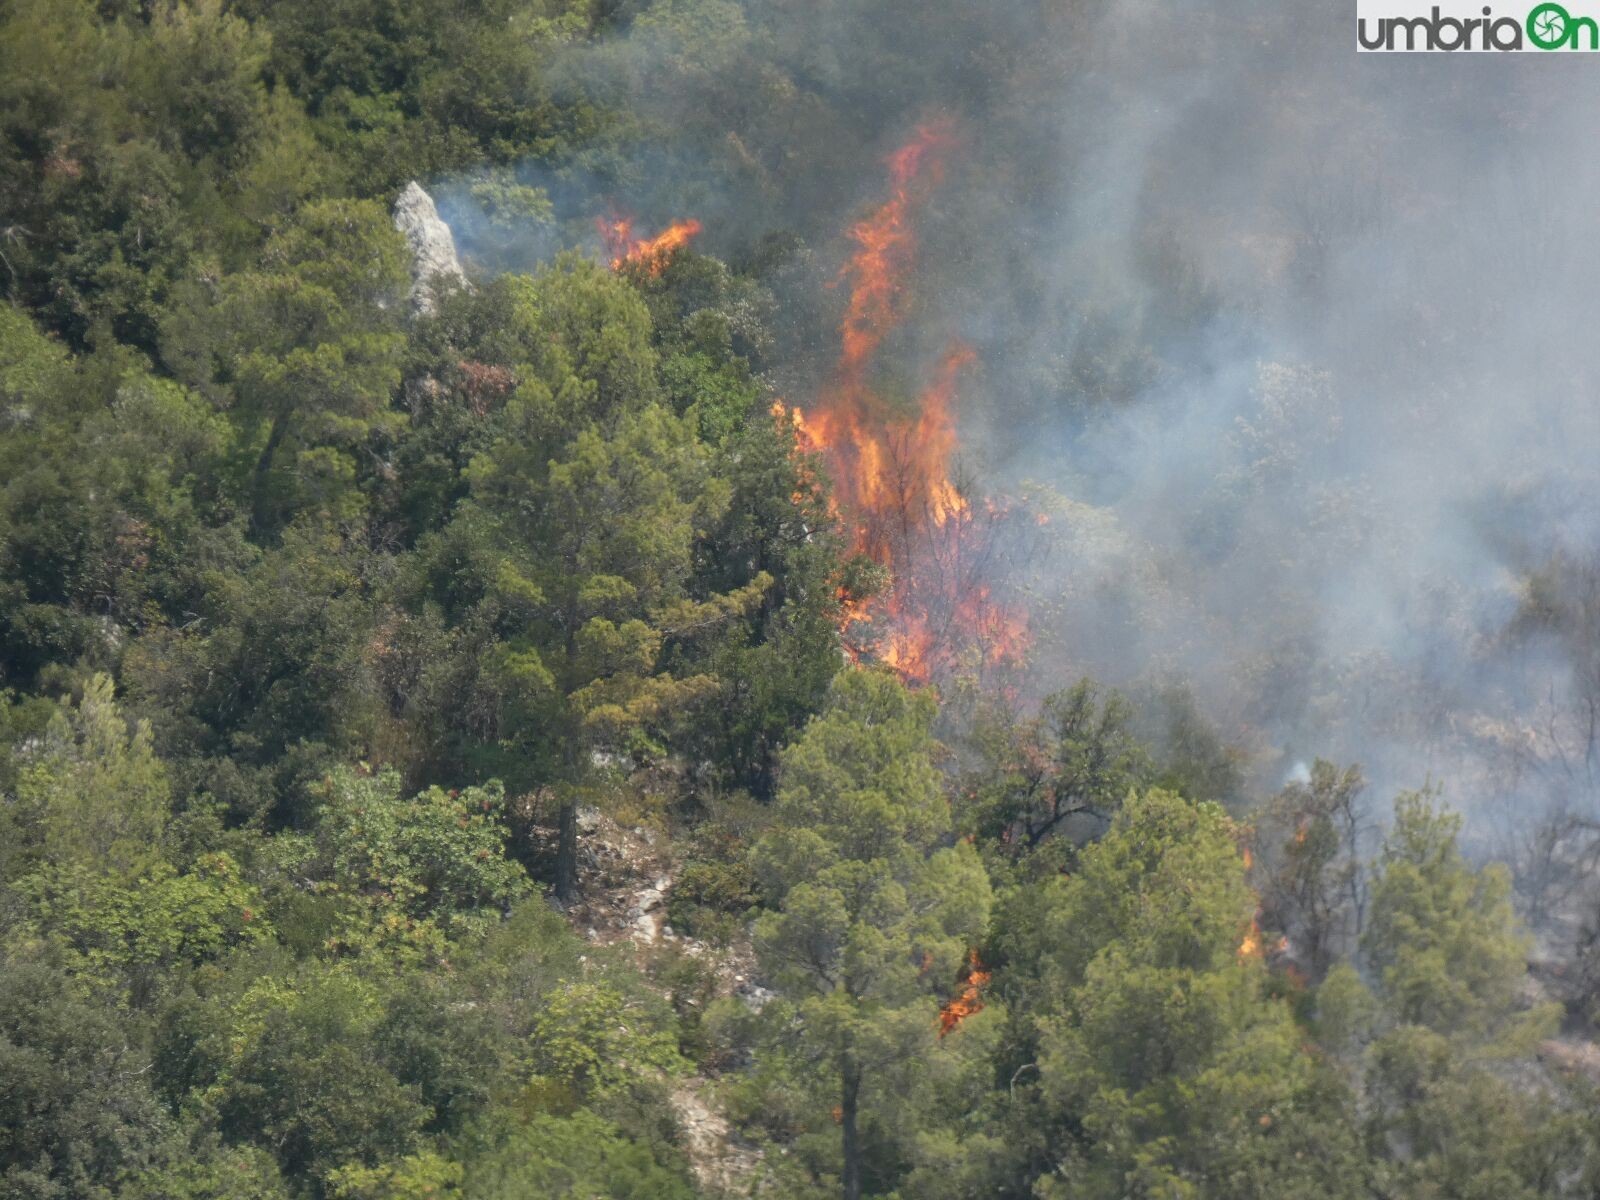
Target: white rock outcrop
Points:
(433, 249)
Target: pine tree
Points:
(873, 910)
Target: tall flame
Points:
(969, 1000)
(891, 469)
(651, 254)
(885, 248)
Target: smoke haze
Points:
(1294, 337)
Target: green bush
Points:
(709, 899)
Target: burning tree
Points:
(892, 469)
(648, 254)
(1307, 867)
(969, 1000)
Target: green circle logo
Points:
(1549, 26)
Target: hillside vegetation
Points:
(343, 641)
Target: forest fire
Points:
(1253, 944)
(891, 468)
(652, 254)
(969, 1000)
(886, 243)
(1250, 945)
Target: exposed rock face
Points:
(627, 878)
(433, 250)
(1571, 1057)
(721, 1161)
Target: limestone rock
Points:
(1572, 1057)
(722, 1162)
(433, 249)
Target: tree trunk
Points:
(263, 475)
(849, 1138)
(567, 855)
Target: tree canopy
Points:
(435, 762)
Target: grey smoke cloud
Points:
(1327, 501)
(1300, 338)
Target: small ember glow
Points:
(651, 254)
(970, 999)
(1250, 947)
(1254, 944)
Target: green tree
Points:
(93, 794)
(193, 1163)
(586, 516)
(593, 1040)
(401, 91)
(424, 1176)
(1441, 1125)
(89, 857)
(135, 155)
(1443, 940)
(1448, 956)
(307, 345)
(133, 934)
(1033, 777)
(95, 233)
(105, 472)
(775, 665)
(1306, 843)
(294, 1065)
(1164, 1067)
(574, 1156)
(76, 1111)
(204, 64)
(412, 870)
(874, 911)
(268, 684)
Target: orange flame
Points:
(970, 999)
(885, 244)
(652, 254)
(891, 470)
(1252, 945)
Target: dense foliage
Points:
(329, 629)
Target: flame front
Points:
(969, 1000)
(892, 469)
(651, 254)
